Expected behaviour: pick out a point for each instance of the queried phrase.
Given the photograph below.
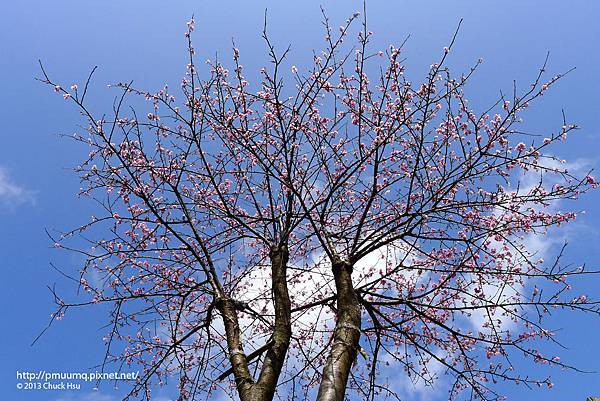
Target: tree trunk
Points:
(282, 332)
(346, 336)
(237, 358)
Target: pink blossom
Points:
(590, 179)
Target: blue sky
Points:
(143, 41)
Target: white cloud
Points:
(307, 284)
(12, 194)
(545, 243)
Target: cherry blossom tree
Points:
(315, 233)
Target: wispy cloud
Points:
(11, 193)
(545, 244)
(433, 386)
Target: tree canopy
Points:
(303, 234)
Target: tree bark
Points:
(237, 358)
(346, 336)
(282, 332)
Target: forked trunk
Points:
(264, 388)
